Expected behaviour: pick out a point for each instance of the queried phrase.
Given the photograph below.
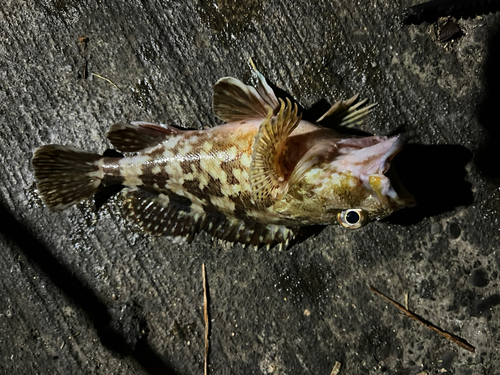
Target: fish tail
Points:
(66, 175)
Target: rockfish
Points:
(256, 179)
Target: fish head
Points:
(355, 180)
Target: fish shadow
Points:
(487, 158)
(435, 176)
(112, 333)
(430, 11)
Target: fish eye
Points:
(352, 218)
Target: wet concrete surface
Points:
(84, 292)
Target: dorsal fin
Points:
(235, 101)
(266, 175)
(138, 136)
(345, 114)
(265, 91)
(162, 215)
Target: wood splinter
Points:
(457, 340)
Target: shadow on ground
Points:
(435, 176)
(488, 156)
(115, 336)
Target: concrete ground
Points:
(84, 292)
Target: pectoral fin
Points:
(267, 177)
(138, 136)
(346, 114)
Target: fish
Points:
(256, 179)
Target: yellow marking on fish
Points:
(131, 172)
(212, 166)
(203, 180)
(197, 208)
(246, 160)
(174, 171)
(223, 204)
(207, 146)
(163, 199)
(230, 190)
(188, 177)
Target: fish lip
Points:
(403, 197)
(399, 197)
(394, 149)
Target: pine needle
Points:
(457, 340)
(205, 314)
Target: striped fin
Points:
(268, 180)
(345, 114)
(138, 136)
(160, 215)
(265, 91)
(175, 216)
(66, 175)
(247, 233)
(235, 101)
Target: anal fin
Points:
(138, 136)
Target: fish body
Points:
(256, 179)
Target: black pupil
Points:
(352, 217)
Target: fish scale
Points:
(256, 179)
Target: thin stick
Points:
(107, 80)
(457, 340)
(205, 314)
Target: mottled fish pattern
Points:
(256, 179)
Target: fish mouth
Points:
(397, 145)
(369, 160)
(384, 180)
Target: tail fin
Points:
(66, 175)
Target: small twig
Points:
(336, 368)
(457, 340)
(205, 314)
(107, 80)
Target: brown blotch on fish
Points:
(256, 179)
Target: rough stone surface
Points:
(84, 292)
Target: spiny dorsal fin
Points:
(138, 136)
(265, 91)
(345, 114)
(235, 101)
(159, 214)
(266, 175)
